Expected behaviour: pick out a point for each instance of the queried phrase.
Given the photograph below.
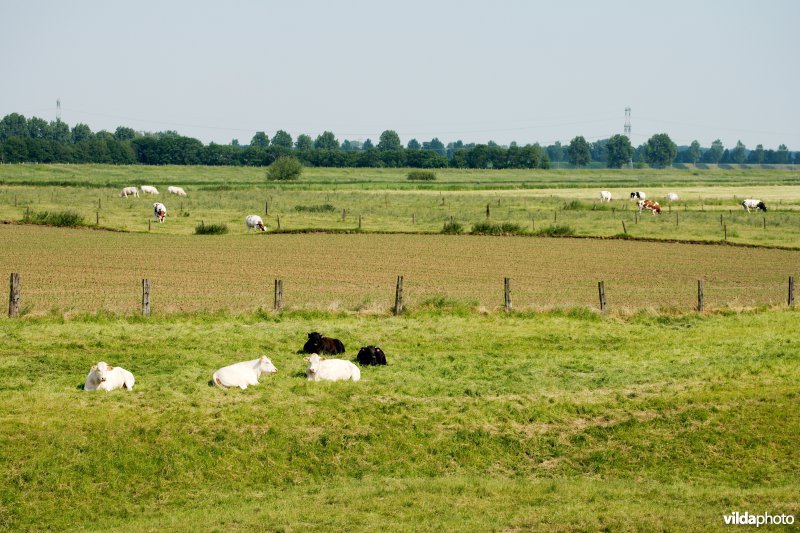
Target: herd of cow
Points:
(644, 203)
(103, 376)
(160, 210)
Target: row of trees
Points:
(36, 140)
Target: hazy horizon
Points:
(513, 71)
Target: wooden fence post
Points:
(726, 232)
(13, 295)
(487, 210)
(343, 214)
(676, 220)
(279, 221)
(636, 217)
(278, 303)
(624, 229)
(701, 304)
(97, 218)
(398, 296)
(765, 222)
(720, 220)
(790, 300)
(507, 294)
(413, 218)
(601, 289)
(359, 221)
(146, 297)
(266, 207)
(148, 224)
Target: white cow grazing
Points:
(129, 191)
(149, 189)
(243, 374)
(605, 196)
(159, 211)
(254, 221)
(321, 369)
(176, 190)
(105, 377)
(672, 196)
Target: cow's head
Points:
(762, 206)
(313, 361)
(102, 370)
(265, 366)
(261, 226)
(634, 195)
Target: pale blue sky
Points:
(501, 70)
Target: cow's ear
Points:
(321, 358)
(94, 367)
(306, 359)
(110, 367)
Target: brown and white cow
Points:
(652, 205)
(159, 211)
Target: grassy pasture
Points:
(565, 421)
(82, 270)
(388, 203)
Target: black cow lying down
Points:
(371, 355)
(316, 343)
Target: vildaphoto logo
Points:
(746, 519)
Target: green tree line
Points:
(35, 140)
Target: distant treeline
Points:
(35, 140)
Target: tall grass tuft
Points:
(453, 228)
(506, 228)
(324, 208)
(210, 229)
(422, 175)
(66, 218)
(556, 230)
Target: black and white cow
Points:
(638, 195)
(752, 203)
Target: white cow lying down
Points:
(243, 374)
(103, 376)
(321, 369)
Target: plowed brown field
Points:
(67, 270)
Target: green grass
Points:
(388, 202)
(561, 420)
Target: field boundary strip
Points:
(355, 231)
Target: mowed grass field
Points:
(82, 270)
(565, 421)
(387, 202)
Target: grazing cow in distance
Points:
(105, 377)
(149, 189)
(316, 343)
(652, 205)
(752, 203)
(159, 211)
(176, 190)
(321, 369)
(605, 196)
(672, 196)
(638, 195)
(129, 191)
(243, 374)
(254, 221)
(371, 355)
